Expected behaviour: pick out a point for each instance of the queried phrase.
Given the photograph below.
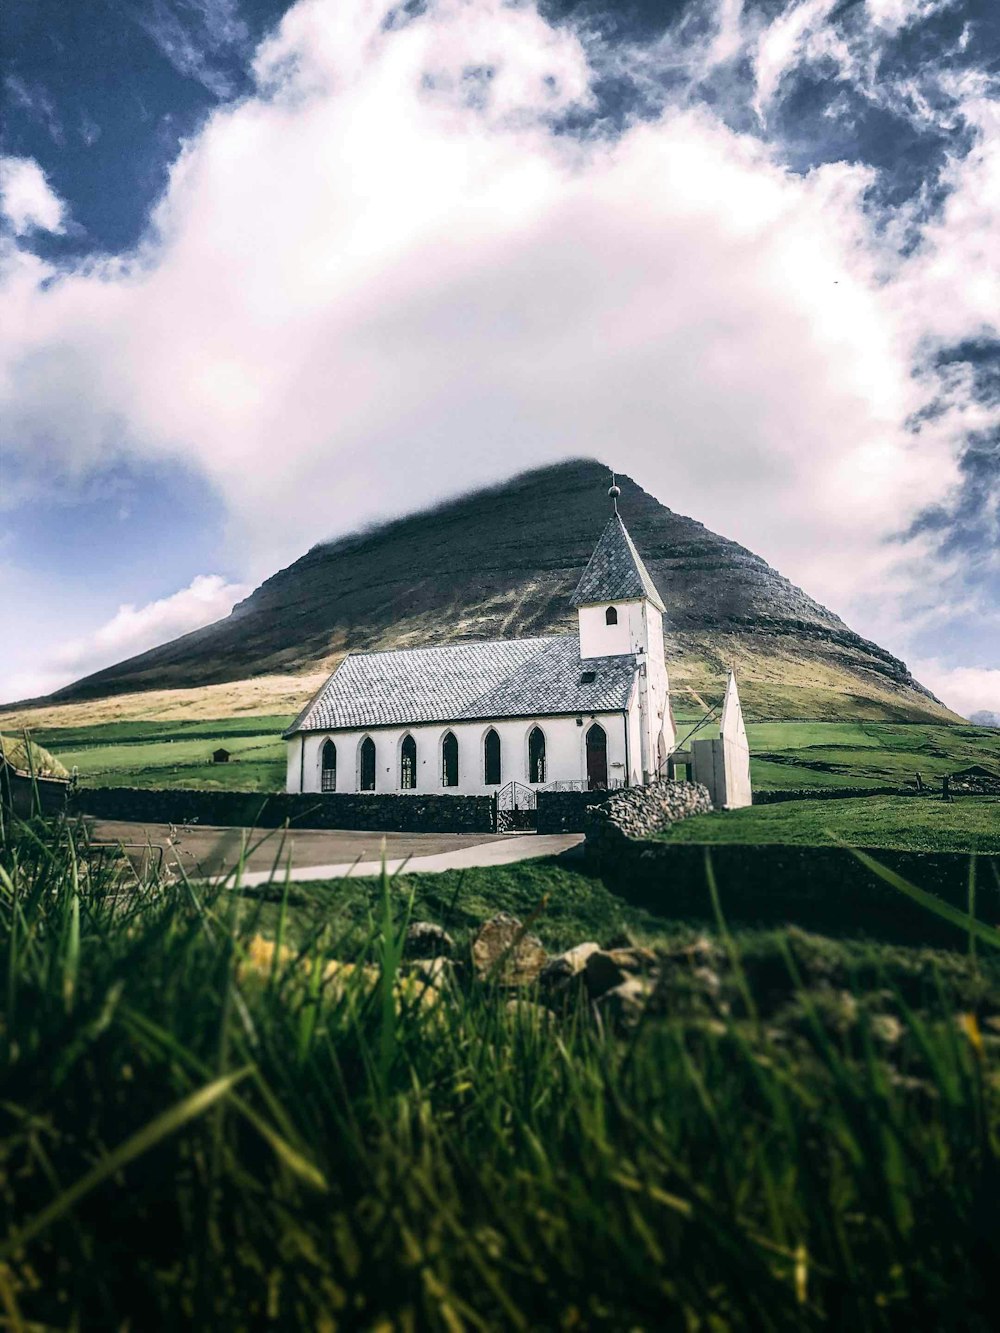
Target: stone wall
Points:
(640, 812)
(827, 793)
(385, 814)
(566, 811)
(826, 889)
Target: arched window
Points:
(449, 760)
(408, 764)
(536, 755)
(597, 758)
(611, 616)
(328, 767)
(491, 758)
(367, 765)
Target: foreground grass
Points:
(923, 824)
(199, 1131)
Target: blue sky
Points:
(271, 270)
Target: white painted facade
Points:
(565, 754)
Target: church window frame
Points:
(367, 761)
(328, 765)
(492, 758)
(449, 760)
(611, 616)
(536, 755)
(408, 763)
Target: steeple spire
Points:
(614, 490)
(616, 572)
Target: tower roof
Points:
(615, 572)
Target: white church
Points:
(589, 710)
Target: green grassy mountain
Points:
(502, 563)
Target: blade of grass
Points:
(157, 1129)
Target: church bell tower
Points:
(620, 613)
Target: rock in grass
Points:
(559, 971)
(434, 971)
(608, 968)
(502, 952)
(624, 1005)
(425, 939)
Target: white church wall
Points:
(565, 754)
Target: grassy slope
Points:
(30, 757)
(913, 823)
(176, 754)
(819, 1145)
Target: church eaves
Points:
(615, 572)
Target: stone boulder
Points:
(559, 971)
(504, 953)
(624, 1005)
(608, 968)
(424, 939)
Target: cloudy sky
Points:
(269, 271)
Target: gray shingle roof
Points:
(466, 682)
(615, 572)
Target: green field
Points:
(201, 1130)
(914, 823)
(783, 754)
(174, 754)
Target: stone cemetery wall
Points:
(641, 812)
(358, 810)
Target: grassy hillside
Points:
(30, 757)
(204, 1130)
(503, 563)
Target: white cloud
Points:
(385, 278)
(26, 198)
(132, 630)
(965, 689)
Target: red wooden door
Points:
(597, 758)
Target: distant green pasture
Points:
(860, 754)
(175, 754)
(911, 823)
(783, 754)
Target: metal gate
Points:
(516, 809)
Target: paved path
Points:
(326, 853)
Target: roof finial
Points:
(614, 490)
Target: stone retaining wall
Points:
(640, 812)
(828, 793)
(819, 888)
(566, 811)
(384, 814)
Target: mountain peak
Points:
(503, 562)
